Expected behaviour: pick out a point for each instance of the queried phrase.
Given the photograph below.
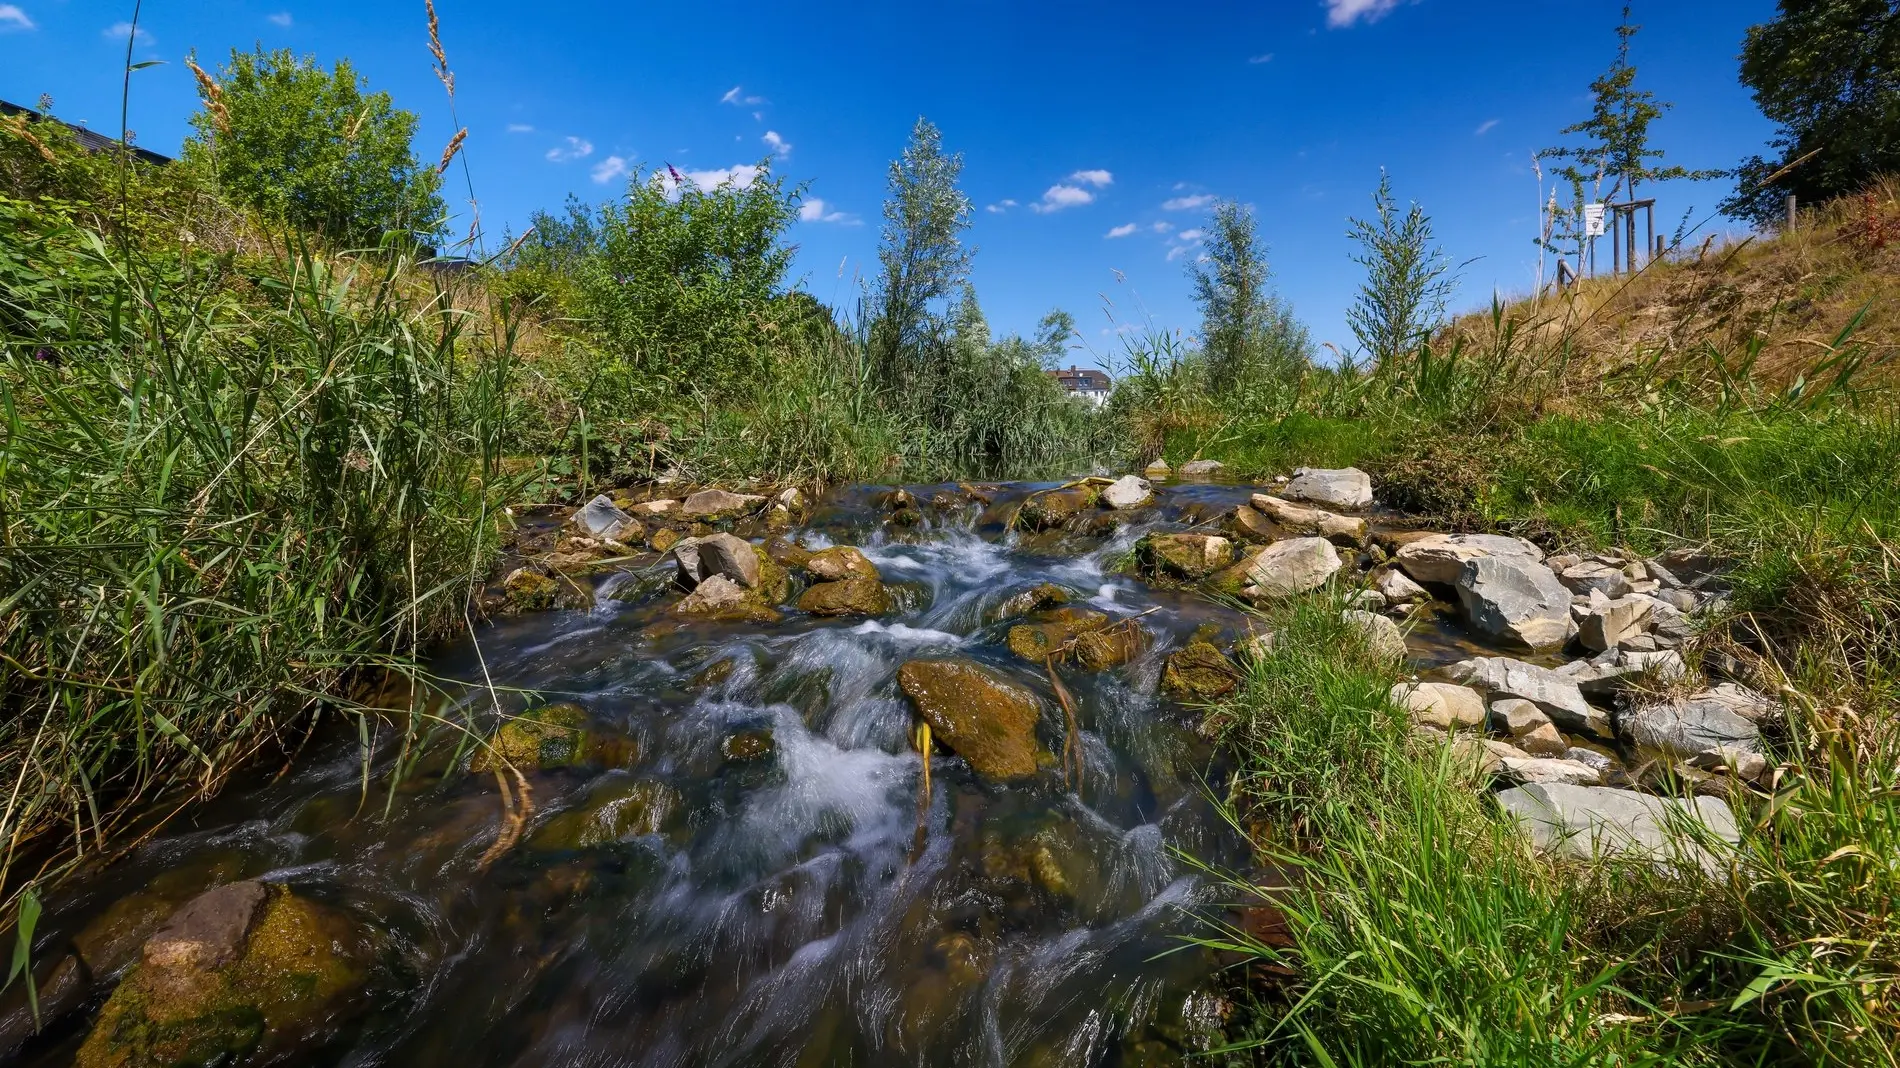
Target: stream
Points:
(767, 881)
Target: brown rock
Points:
(840, 563)
(735, 558)
(981, 717)
(209, 931)
(1047, 595)
(1338, 529)
(718, 504)
(1110, 647)
(846, 597)
(1250, 525)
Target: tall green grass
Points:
(226, 486)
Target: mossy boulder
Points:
(247, 971)
(527, 590)
(1183, 556)
(787, 553)
(1054, 508)
(846, 597)
(745, 747)
(552, 736)
(663, 539)
(1030, 601)
(1109, 647)
(840, 563)
(976, 714)
(1052, 632)
(616, 814)
(721, 600)
(1200, 672)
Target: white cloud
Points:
(1124, 230)
(1485, 127)
(737, 98)
(1188, 203)
(740, 176)
(520, 127)
(1096, 178)
(816, 210)
(1264, 57)
(1162, 226)
(12, 18)
(1060, 196)
(1000, 207)
(282, 18)
(576, 148)
(1191, 235)
(1342, 13)
(119, 31)
(610, 168)
(779, 146)
(1177, 252)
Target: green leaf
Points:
(28, 919)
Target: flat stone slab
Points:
(1441, 558)
(1691, 727)
(1556, 695)
(1346, 487)
(1593, 821)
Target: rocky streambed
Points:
(889, 776)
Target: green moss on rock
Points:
(847, 597)
(1201, 672)
(551, 736)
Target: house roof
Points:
(89, 140)
(1077, 378)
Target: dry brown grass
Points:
(1792, 293)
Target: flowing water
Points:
(813, 907)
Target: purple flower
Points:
(46, 355)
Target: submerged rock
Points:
(619, 813)
(1342, 530)
(1441, 558)
(1344, 488)
(1036, 642)
(243, 970)
(552, 736)
(1287, 568)
(1516, 600)
(976, 714)
(1047, 595)
(1201, 672)
(1110, 647)
(1589, 822)
(846, 597)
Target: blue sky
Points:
(1095, 135)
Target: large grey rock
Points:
(1292, 567)
(1383, 637)
(1440, 704)
(1515, 600)
(1595, 575)
(685, 557)
(1611, 623)
(733, 557)
(1344, 530)
(1130, 491)
(1441, 558)
(1690, 727)
(1517, 717)
(601, 518)
(1739, 699)
(1612, 672)
(1344, 488)
(1201, 468)
(1557, 695)
(1593, 821)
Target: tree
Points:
(1408, 280)
(922, 256)
(1827, 72)
(684, 282)
(312, 149)
(1247, 334)
(1617, 130)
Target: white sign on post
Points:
(1593, 225)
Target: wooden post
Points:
(1649, 225)
(1662, 244)
(1616, 245)
(1630, 222)
(1793, 211)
